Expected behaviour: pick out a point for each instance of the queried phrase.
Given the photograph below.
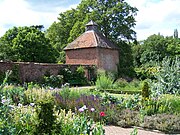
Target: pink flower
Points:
(102, 114)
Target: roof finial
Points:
(91, 26)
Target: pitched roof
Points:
(91, 38)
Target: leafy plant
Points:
(35, 94)
(46, 119)
(145, 91)
(76, 77)
(53, 81)
(103, 81)
(162, 122)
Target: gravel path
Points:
(114, 130)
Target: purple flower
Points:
(3, 101)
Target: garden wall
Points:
(29, 71)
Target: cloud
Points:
(156, 16)
(31, 12)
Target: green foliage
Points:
(145, 72)
(145, 90)
(123, 85)
(154, 49)
(26, 44)
(168, 77)
(125, 66)
(24, 119)
(46, 119)
(77, 124)
(54, 81)
(115, 19)
(103, 81)
(134, 132)
(127, 118)
(74, 78)
(14, 93)
(35, 95)
(162, 122)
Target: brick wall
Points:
(108, 59)
(103, 58)
(29, 71)
(82, 56)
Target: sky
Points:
(153, 17)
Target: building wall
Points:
(87, 56)
(29, 71)
(108, 59)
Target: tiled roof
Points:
(91, 39)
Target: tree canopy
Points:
(114, 17)
(155, 48)
(26, 44)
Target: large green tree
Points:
(154, 49)
(26, 44)
(114, 17)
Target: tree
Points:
(26, 44)
(175, 33)
(154, 49)
(114, 17)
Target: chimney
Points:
(91, 26)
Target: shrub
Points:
(77, 124)
(145, 90)
(103, 81)
(53, 81)
(168, 78)
(127, 118)
(74, 78)
(123, 85)
(46, 119)
(24, 119)
(162, 122)
(14, 93)
(35, 94)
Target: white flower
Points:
(81, 110)
(84, 107)
(11, 106)
(92, 109)
(20, 105)
(3, 101)
(32, 104)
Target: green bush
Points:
(53, 81)
(167, 78)
(103, 81)
(145, 91)
(14, 93)
(24, 119)
(127, 118)
(74, 78)
(46, 118)
(77, 124)
(162, 122)
(123, 85)
(35, 94)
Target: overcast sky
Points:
(154, 16)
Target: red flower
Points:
(102, 114)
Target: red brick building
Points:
(92, 48)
